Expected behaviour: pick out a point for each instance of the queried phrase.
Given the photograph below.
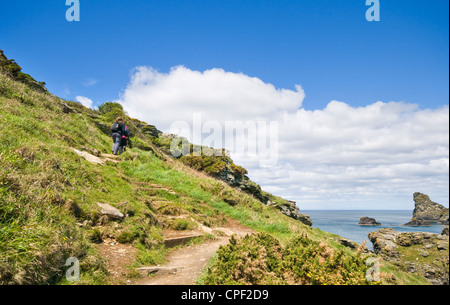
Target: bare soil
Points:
(117, 257)
(190, 261)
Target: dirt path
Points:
(190, 261)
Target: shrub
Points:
(260, 260)
(251, 260)
(107, 107)
(182, 224)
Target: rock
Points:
(66, 108)
(421, 256)
(290, 209)
(445, 231)
(92, 151)
(444, 218)
(348, 243)
(414, 222)
(404, 240)
(420, 238)
(89, 157)
(303, 218)
(149, 130)
(367, 221)
(239, 180)
(110, 211)
(384, 242)
(231, 202)
(442, 245)
(434, 274)
(105, 128)
(427, 211)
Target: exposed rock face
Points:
(148, 130)
(290, 209)
(427, 212)
(367, 221)
(236, 179)
(418, 252)
(384, 242)
(352, 245)
(445, 231)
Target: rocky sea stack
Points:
(427, 212)
(367, 221)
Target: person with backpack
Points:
(125, 139)
(117, 131)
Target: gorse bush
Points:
(261, 260)
(312, 262)
(251, 260)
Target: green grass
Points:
(398, 276)
(49, 195)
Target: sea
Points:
(345, 223)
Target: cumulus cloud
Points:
(341, 156)
(86, 102)
(215, 94)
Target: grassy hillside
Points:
(49, 196)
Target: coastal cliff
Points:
(421, 253)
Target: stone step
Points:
(180, 240)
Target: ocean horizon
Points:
(345, 223)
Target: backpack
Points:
(115, 127)
(127, 132)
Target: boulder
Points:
(367, 221)
(89, 157)
(348, 243)
(384, 242)
(110, 211)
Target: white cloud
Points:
(341, 156)
(216, 94)
(86, 102)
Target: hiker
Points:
(125, 139)
(117, 131)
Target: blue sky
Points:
(326, 46)
(362, 106)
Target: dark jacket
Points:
(120, 130)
